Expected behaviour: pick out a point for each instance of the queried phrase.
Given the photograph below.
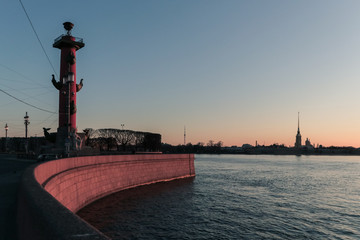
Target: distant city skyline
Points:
(231, 71)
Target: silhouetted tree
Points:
(139, 140)
(109, 135)
(121, 139)
(124, 138)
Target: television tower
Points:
(184, 135)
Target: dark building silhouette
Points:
(308, 144)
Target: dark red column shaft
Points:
(65, 68)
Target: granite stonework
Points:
(51, 193)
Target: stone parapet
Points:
(51, 193)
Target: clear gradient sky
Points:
(235, 71)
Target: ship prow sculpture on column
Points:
(67, 139)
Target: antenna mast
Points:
(184, 135)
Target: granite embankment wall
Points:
(51, 193)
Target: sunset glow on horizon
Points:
(230, 71)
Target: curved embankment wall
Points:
(51, 193)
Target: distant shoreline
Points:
(284, 154)
(274, 149)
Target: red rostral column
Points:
(67, 83)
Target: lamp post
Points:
(6, 130)
(6, 135)
(26, 122)
(122, 126)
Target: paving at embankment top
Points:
(11, 169)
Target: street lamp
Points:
(6, 139)
(122, 126)
(26, 122)
(6, 129)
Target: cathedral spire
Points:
(298, 135)
(298, 122)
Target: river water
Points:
(241, 197)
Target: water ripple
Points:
(240, 197)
